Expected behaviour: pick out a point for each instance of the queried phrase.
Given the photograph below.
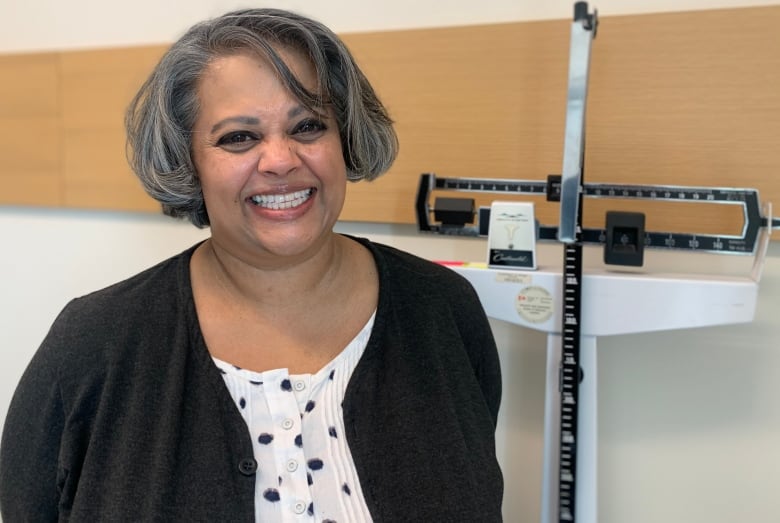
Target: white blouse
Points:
(305, 471)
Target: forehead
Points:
(299, 65)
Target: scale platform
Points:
(613, 303)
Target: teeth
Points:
(282, 201)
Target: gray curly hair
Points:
(162, 114)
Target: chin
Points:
(294, 245)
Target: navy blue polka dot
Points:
(286, 385)
(328, 521)
(222, 371)
(310, 406)
(271, 495)
(255, 382)
(299, 441)
(237, 367)
(332, 432)
(331, 374)
(315, 464)
(280, 480)
(311, 509)
(242, 402)
(346, 489)
(309, 479)
(265, 438)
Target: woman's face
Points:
(272, 171)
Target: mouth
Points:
(282, 201)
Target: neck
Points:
(278, 285)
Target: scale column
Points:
(586, 510)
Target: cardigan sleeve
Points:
(29, 453)
(478, 337)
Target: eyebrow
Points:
(246, 120)
(251, 120)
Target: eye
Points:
(237, 141)
(309, 128)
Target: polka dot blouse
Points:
(305, 471)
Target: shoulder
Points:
(421, 284)
(404, 269)
(113, 319)
(146, 290)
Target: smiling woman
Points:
(276, 371)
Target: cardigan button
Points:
(247, 467)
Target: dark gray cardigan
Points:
(122, 415)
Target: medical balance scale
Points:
(553, 302)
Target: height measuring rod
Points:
(583, 30)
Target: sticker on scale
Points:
(513, 277)
(535, 304)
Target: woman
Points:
(277, 371)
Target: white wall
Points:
(54, 24)
(688, 422)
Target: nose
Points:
(278, 156)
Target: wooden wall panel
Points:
(30, 137)
(96, 88)
(688, 98)
(485, 101)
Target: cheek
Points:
(219, 173)
(331, 166)
(326, 158)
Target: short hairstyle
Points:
(161, 116)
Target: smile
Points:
(282, 201)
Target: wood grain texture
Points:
(30, 134)
(96, 89)
(689, 98)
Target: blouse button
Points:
(299, 507)
(292, 465)
(299, 386)
(287, 424)
(247, 467)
